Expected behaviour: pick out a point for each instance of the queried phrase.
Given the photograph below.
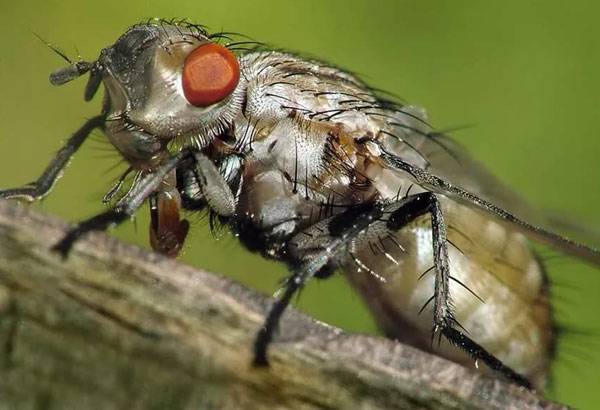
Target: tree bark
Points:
(114, 326)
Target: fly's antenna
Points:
(74, 70)
(52, 47)
(66, 74)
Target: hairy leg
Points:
(444, 322)
(346, 227)
(43, 185)
(324, 243)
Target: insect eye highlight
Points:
(210, 74)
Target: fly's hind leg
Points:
(444, 322)
(43, 185)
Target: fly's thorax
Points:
(162, 86)
(302, 127)
(301, 172)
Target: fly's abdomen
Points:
(497, 288)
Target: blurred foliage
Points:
(522, 76)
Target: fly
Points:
(308, 165)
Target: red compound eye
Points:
(210, 74)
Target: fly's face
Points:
(165, 82)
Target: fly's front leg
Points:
(43, 185)
(444, 322)
(126, 206)
(213, 187)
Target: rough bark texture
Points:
(114, 326)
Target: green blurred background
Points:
(523, 75)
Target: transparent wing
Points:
(438, 163)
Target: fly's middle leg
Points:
(315, 259)
(43, 185)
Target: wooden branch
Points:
(115, 326)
